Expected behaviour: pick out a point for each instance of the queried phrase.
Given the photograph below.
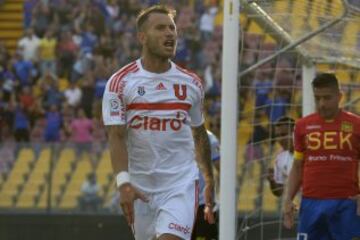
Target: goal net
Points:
(322, 35)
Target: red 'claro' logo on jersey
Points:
(329, 140)
(157, 124)
(179, 228)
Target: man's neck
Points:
(155, 65)
(332, 118)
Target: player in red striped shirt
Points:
(326, 166)
(153, 112)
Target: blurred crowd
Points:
(51, 87)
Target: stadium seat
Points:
(281, 6)
(104, 170)
(11, 23)
(249, 189)
(6, 200)
(73, 189)
(270, 202)
(62, 170)
(36, 179)
(350, 37)
(343, 75)
(16, 178)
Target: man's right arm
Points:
(117, 135)
(118, 149)
(295, 179)
(293, 186)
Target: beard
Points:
(156, 49)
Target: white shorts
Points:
(171, 212)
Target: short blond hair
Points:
(144, 14)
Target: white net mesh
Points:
(274, 89)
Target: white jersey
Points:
(159, 110)
(283, 165)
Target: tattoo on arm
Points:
(203, 151)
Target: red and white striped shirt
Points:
(159, 110)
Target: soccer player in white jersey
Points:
(202, 229)
(277, 176)
(153, 113)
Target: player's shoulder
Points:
(115, 80)
(311, 118)
(189, 75)
(350, 116)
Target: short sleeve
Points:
(113, 108)
(299, 142)
(196, 110)
(278, 175)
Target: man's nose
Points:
(170, 32)
(321, 102)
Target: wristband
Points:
(122, 178)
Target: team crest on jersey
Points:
(346, 127)
(141, 90)
(114, 107)
(181, 95)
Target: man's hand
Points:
(289, 214)
(209, 202)
(128, 194)
(357, 199)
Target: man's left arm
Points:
(203, 158)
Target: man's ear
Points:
(141, 37)
(341, 95)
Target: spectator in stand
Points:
(67, 51)
(42, 17)
(27, 99)
(73, 95)
(24, 70)
(37, 136)
(7, 152)
(21, 124)
(8, 81)
(277, 107)
(47, 52)
(29, 45)
(53, 124)
(263, 86)
(100, 84)
(63, 14)
(80, 131)
(52, 95)
(182, 51)
(28, 12)
(83, 63)
(90, 199)
(89, 40)
(207, 22)
(88, 93)
(254, 147)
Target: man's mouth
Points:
(169, 43)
